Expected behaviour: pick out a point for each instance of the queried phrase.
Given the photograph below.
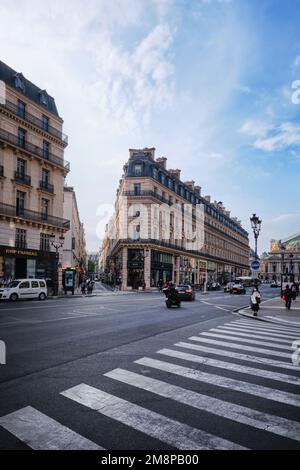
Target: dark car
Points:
(185, 292)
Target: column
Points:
(124, 268)
(147, 268)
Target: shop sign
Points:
(11, 251)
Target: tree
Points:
(91, 266)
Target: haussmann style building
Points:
(146, 241)
(32, 172)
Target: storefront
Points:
(135, 268)
(161, 267)
(20, 263)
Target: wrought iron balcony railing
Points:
(46, 186)
(12, 139)
(23, 114)
(33, 216)
(22, 178)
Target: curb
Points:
(242, 313)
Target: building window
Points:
(73, 243)
(137, 189)
(162, 178)
(20, 241)
(138, 170)
(136, 233)
(44, 98)
(46, 148)
(45, 123)
(21, 167)
(20, 202)
(21, 137)
(21, 109)
(45, 208)
(155, 173)
(45, 177)
(19, 83)
(44, 242)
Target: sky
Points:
(211, 84)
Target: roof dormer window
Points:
(44, 98)
(19, 82)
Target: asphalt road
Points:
(123, 372)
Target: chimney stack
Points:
(162, 161)
(197, 190)
(190, 184)
(175, 172)
(207, 198)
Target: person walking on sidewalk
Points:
(255, 301)
(287, 297)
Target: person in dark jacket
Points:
(288, 295)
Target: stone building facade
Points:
(150, 242)
(32, 172)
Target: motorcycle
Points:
(172, 299)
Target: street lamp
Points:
(282, 249)
(57, 244)
(256, 226)
(291, 267)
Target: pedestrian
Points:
(90, 287)
(83, 288)
(255, 301)
(287, 297)
(294, 291)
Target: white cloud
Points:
(271, 137)
(255, 128)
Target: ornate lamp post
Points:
(57, 244)
(256, 226)
(282, 249)
(291, 267)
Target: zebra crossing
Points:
(214, 372)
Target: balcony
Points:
(1, 170)
(22, 178)
(32, 216)
(23, 114)
(12, 139)
(46, 186)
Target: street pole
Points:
(57, 244)
(256, 226)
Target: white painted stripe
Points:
(220, 381)
(243, 357)
(174, 433)
(249, 335)
(266, 374)
(281, 320)
(266, 326)
(268, 352)
(40, 432)
(234, 412)
(246, 340)
(258, 332)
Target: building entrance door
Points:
(21, 268)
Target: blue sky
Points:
(206, 82)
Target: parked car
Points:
(228, 286)
(213, 286)
(238, 288)
(25, 289)
(185, 292)
(274, 284)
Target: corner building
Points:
(32, 172)
(146, 256)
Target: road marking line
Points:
(257, 332)
(267, 393)
(282, 328)
(229, 333)
(234, 412)
(231, 366)
(40, 432)
(282, 320)
(246, 340)
(174, 433)
(243, 357)
(268, 352)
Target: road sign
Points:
(255, 265)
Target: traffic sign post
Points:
(255, 265)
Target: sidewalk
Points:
(273, 310)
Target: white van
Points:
(25, 289)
